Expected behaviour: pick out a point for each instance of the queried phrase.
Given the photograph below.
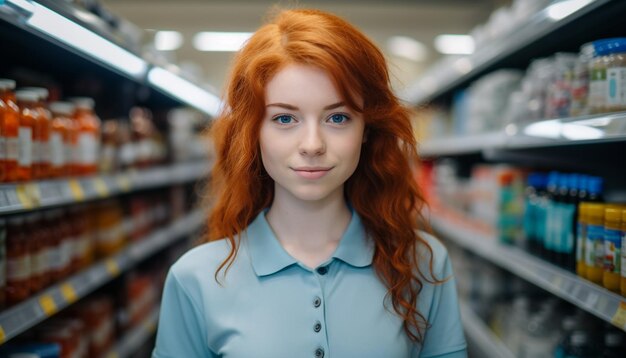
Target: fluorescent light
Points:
(168, 40)
(185, 91)
(454, 44)
(407, 47)
(86, 41)
(220, 41)
(563, 9)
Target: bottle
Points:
(89, 135)
(614, 344)
(581, 239)
(530, 213)
(29, 115)
(581, 345)
(560, 227)
(37, 260)
(10, 129)
(551, 217)
(594, 248)
(612, 247)
(508, 214)
(18, 262)
(108, 154)
(60, 143)
(41, 135)
(570, 215)
(623, 255)
(595, 185)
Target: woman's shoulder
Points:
(201, 259)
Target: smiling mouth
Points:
(311, 172)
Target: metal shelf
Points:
(594, 299)
(452, 72)
(137, 337)
(481, 337)
(16, 198)
(587, 130)
(25, 315)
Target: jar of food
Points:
(18, 261)
(616, 75)
(41, 135)
(88, 135)
(60, 144)
(580, 82)
(9, 130)
(29, 115)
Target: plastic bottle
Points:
(560, 227)
(597, 80)
(551, 217)
(594, 248)
(570, 215)
(29, 115)
(623, 255)
(41, 135)
(60, 143)
(89, 135)
(581, 239)
(9, 130)
(508, 227)
(615, 52)
(612, 247)
(530, 213)
(595, 185)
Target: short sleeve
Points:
(445, 337)
(180, 333)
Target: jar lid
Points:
(6, 84)
(62, 108)
(43, 93)
(27, 96)
(83, 102)
(609, 46)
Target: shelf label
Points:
(112, 267)
(101, 187)
(47, 304)
(23, 197)
(76, 189)
(3, 335)
(124, 182)
(619, 318)
(4, 201)
(68, 293)
(33, 192)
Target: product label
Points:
(88, 148)
(18, 269)
(44, 152)
(595, 246)
(36, 155)
(69, 154)
(12, 148)
(67, 248)
(597, 88)
(112, 235)
(616, 78)
(581, 236)
(3, 148)
(623, 255)
(55, 258)
(56, 150)
(612, 257)
(127, 154)
(39, 262)
(25, 156)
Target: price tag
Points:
(113, 267)
(4, 201)
(76, 190)
(47, 304)
(11, 195)
(3, 335)
(68, 293)
(124, 183)
(619, 318)
(23, 197)
(33, 192)
(101, 187)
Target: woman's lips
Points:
(311, 173)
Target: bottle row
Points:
(41, 139)
(559, 217)
(40, 249)
(529, 322)
(563, 85)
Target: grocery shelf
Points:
(602, 303)
(88, 37)
(136, 337)
(452, 72)
(586, 130)
(16, 198)
(25, 315)
(480, 337)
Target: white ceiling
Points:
(421, 20)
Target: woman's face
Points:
(310, 140)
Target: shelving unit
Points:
(481, 337)
(136, 337)
(594, 299)
(27, 314)
(15, 198)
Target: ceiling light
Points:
(220, 41)
(403, 46)
(563, 9)
(168, 40)
(454, 44)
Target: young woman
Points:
(315, 244)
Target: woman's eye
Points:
(284, 119)
(339, 118)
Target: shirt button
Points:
(322, 270)
(317, 327)
(317, 302)
(319, 353)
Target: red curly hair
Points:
(382, 189)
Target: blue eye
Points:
(339, 118)
(284, 119)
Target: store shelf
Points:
(136, 338)
(587, 130)
(602, 303)
(87, 36)
(25, 315)
(480, 337)
(16, 198)
(452, 72)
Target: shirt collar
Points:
(268, 256)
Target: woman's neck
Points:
(309, 230)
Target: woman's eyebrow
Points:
(294, 108)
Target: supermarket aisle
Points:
(522, 137)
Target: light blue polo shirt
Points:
(271, 305)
